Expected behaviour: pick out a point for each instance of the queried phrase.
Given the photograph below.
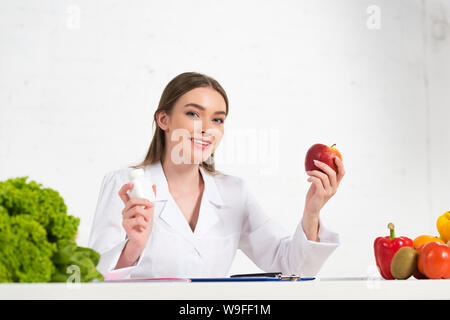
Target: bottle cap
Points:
(136, 173)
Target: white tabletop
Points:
(344, 288)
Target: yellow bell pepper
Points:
(443, 226)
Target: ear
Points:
(162, 120)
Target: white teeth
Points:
(199, 141)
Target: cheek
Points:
(181, 127)
(218, 137)
(216, 133)
(182, 122)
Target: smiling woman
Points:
(202, 216)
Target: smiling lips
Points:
(201, 143)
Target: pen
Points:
(269, 274)
(277, 275)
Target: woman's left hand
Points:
(324, 185)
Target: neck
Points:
(181, 178)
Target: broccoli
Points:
(37, 236)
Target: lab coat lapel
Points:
(169, 212)
(210, 205)
(155, 174)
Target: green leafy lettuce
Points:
(37, 236)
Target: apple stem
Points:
(333, 145)
(391, 231)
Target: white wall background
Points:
(80, 81)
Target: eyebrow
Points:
(202, 108)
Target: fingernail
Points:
(316, 161)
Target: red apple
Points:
(322, 153)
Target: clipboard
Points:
(271, 276)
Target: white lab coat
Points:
(230, 218)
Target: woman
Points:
(202, 216)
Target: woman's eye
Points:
(189, 113)
(218, 120)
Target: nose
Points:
(206, 127)
(205, 133)
(200, 126)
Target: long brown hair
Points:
(178, 86)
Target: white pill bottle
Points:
(142, 186)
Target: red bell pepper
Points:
(385, 249)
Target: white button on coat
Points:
(230, 218)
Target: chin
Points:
(199, 159)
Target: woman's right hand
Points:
(137, 217)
